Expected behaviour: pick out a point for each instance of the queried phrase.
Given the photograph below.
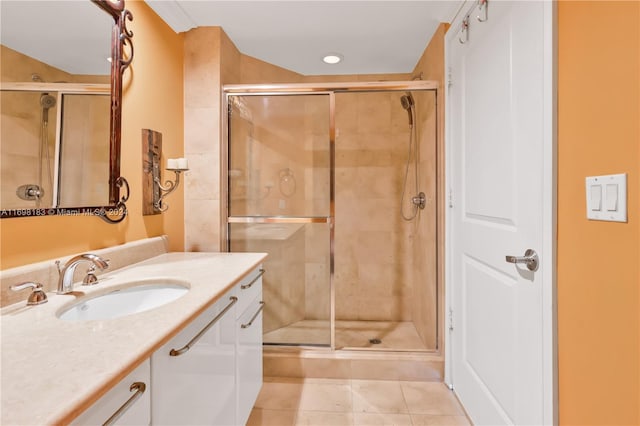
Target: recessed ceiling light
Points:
(332, 58)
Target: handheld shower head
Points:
(47, 101)
(408, 103)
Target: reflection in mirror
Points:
(55, 150)
(27, 149)
(83, 153)
(56, 145)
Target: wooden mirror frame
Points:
(116, 211)
(120, 36)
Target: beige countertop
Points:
(52, 369)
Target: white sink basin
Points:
(132, 299)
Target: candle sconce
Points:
(177, 166)
(154, 191)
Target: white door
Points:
(500, 173)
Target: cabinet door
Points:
(198, 386)
(249, 357)
(136, 413)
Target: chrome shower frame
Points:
(330, 89)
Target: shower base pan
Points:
(400, 355)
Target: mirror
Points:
(61, 107)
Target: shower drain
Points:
(375, 341)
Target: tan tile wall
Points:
(202, 124)
(283, 286)
(274, 159)
(429, 317)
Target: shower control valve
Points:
(420, 200)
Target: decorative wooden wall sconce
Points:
(153, 191)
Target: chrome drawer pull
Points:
(139, 387)
(246, 286)
(247, 325)
(185, 348)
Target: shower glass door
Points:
(280, 202)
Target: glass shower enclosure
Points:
(315, 176)
(280, 192)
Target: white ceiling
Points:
(373, 36)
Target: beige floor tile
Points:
(405, 370)
(323, 418)
(378, 396)
(429, 420)
(381, 419)
(430, 398)
(260, 417)
(326, 397)
(279, 379)
(279, 396)
(302, 380)
(321, 381)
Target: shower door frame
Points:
(330, 89)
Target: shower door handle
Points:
(530, 259)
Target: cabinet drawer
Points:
(138, 412)
(248, 289)
(194, 381)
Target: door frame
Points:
(549, 208)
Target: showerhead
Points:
(47, 101)
(408, 103)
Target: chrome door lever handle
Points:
(530, 259)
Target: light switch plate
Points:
(612, 204)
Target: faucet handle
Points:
(90, 278)
(37, 296)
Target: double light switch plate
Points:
(607, 198)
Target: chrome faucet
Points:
(65, 281)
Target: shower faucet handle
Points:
(420, 200)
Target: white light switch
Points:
(595, 198)
(607, 198)
(612, 197)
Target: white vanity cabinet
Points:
(194, 374)
(211, 372)
(249, 349)
(130, 399)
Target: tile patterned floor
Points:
(351, 334)
(337, 402)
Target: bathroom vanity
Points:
(194, 360)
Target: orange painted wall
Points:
(598, 262)
(153, 98)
